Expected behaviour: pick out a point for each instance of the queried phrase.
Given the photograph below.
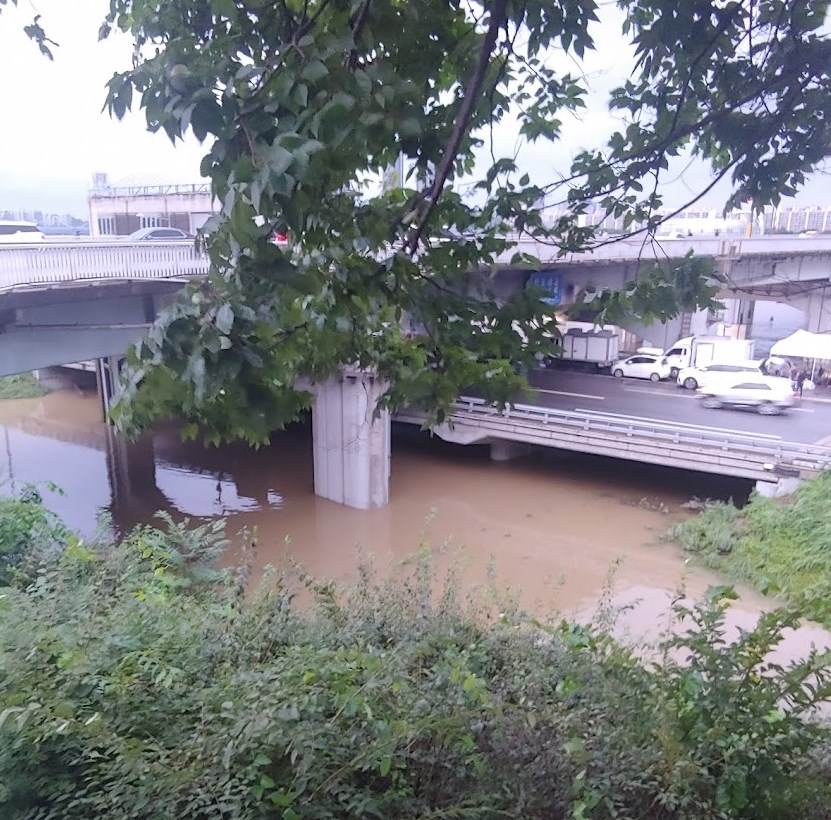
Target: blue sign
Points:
(551, 283)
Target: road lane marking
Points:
(679, 395)
(566, 393)
(671, 423)
(802, 409)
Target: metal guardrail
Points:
(659, 442)
(52, 263)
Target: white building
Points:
(119, 208)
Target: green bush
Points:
(22, 386)
(27, 528)
(782, 547)
(138, 682)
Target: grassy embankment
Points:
(780, 546)
(22, 386)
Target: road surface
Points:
(808, 422)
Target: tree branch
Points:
(357, 27)
(474, 87)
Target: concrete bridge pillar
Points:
(351, 443)
(106, 378)
(786, 485)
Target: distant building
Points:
(118, 209)
(688, 222)
(711, 222)
(704, 221)
(797, 220)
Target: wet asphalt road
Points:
(809, 421)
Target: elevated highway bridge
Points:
(91, 300)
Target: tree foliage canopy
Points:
(303, 103)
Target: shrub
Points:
(22, 386)
(138, 682)
(713, 532)
(27, 528)
(781, 547)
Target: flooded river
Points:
(550, 525)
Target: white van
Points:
(19, 233)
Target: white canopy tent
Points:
(804, 345)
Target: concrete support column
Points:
(787, 485)
(502, 450)
(351, 446)
(106, 379)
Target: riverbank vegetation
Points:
(21, 386)
(136, 680)
(780, 546)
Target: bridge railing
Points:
(732, 453)
(51, 263)
(733, 246)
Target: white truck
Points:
(584, 346)
(695, 351)
(595, 346)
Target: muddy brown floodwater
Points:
(550, 526)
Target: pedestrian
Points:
(800, 381)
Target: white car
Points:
(694, 377)
(642, 366)
(20, 233)
(157, 234)
(767, 394)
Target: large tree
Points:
(302, 104)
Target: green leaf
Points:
(314, 71)
(224, 319)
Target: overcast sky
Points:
(54, 135)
